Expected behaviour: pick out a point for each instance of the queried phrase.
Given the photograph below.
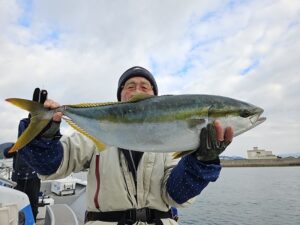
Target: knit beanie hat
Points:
(136, 71)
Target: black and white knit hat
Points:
(136, 71)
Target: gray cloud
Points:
(245, 50)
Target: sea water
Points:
(248, 196)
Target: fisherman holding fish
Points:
(125, 186)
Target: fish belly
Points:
(151, 137)
(145, 137)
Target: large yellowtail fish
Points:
(170, 123)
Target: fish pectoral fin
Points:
(34, 128)
(100, 145)
(177, 155)
(139, 97)
(196, 123)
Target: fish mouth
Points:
(256, 119)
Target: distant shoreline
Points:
(261, 162)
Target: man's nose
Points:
(139, 89)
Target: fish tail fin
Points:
(98, 143)
(40, 117)
(25, 104)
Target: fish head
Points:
(241, 116)
(252, 114)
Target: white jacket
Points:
(110, 184)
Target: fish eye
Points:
(245, 113)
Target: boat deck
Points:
(66, 207)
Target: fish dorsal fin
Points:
(135, 98)
(139, 97)
(177, 155)
(90, 105)
(98, 143)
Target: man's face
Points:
(134, 86)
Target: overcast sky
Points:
(77, 49)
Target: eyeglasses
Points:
(133, 86)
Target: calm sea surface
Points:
(248, 196)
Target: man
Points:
(24, 175)
(128, 187)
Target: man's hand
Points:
(213, 141)
(50, 104)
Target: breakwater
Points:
(261, 162)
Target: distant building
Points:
(260, 154)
